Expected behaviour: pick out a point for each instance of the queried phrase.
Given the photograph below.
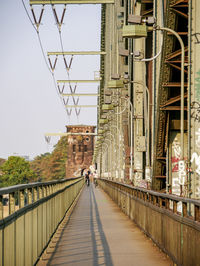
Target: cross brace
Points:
(78, 53)
(80, 94)
(70, 133)
(67, 2)
(80, 106)
(79, 81)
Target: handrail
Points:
(31, 217)
(172, 222)
(11, 189)
(27, 194)
(167, 197)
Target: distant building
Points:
(80, 150)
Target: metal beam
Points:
(79, 81)
(64, 2)
(80, 106)
(78, 53)
(70, 133)
(80, 94)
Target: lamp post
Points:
(182, 172)
(181, 163)
(182, 83)
(119, 113)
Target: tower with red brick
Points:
(80, 149)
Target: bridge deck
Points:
(98, 233)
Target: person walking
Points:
(87, 178)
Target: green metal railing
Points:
(30, 215)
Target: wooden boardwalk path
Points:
(98, 233)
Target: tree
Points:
(51, 166)
(16, 170)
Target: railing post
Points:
(196, 213)
(40, 192)
(1, 207)
(35, 194)
(154, 200)
(11, 203)
(44, 191)
(145, 196)
(21, 199)
(150, 198)
(29, 195)
(174, 206)
(160, 202)
(167, 203)
(48, 190)
(184, 209)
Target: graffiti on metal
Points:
(197, 141)
(177, 155)
(181, 172)
(195, 107)
(196, 158)
(197, 192)
(197, 37)
(142, 183)
(197, 86)
(138, 167)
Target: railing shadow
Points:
(83, 241)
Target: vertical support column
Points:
(139, 75)
(11, 203)
(194, 85)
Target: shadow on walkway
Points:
(83, 241)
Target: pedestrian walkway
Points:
(98, 233)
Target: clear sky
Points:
(29, 103)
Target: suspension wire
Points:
(43, 53)
(61, 42)
(28, 15)
(62, 48)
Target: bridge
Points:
(145, 150)
(68, 223)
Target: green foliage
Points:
(51, 166)
(16, 170)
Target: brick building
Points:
(80, 149)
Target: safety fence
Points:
(29, 216)
(172, 222)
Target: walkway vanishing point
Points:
(99, 233)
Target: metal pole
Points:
(148, 119)
(182, 84)
(112, 151)
(131, 144)
(119, 143)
